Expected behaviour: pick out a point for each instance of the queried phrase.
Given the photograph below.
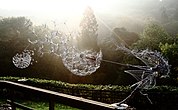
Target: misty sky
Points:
(52, 9)
(70, 11)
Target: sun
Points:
(61, 11)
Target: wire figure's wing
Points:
(149, 58)
(155, 61)
(135, 53)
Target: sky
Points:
(58, 5)
(54, 8)
(43, 11)
(71, 11)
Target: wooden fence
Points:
(78, 98)
(106, 96)
(73, 101)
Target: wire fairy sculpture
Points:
(155, 66)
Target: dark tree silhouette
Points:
(14, 27)
(121, 35)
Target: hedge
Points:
(163, 97)
(51, 84)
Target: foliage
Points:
(14, 35)
(102, 93)
(38, 105)
(52, 84)
(152, 36)
(44, 105)
(171, 52)
(165, 89)
(11, 28)
(89, 28)
(57, 84)
(121, 35)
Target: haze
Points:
(70, 11)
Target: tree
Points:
(11, 28)
(152, 36)
(171, 52)
(89, 27)
(124, 36)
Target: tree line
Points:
(15, 31)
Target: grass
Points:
(45, 106)
(41, 105)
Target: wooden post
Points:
(51, 104)
(13, 105)
(11, 97)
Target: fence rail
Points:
(106, 96)
(73, 101)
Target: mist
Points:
(113, 13)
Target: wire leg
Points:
(117, 104)
(146, 97)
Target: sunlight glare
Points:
(61, 11)
(66, 7)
